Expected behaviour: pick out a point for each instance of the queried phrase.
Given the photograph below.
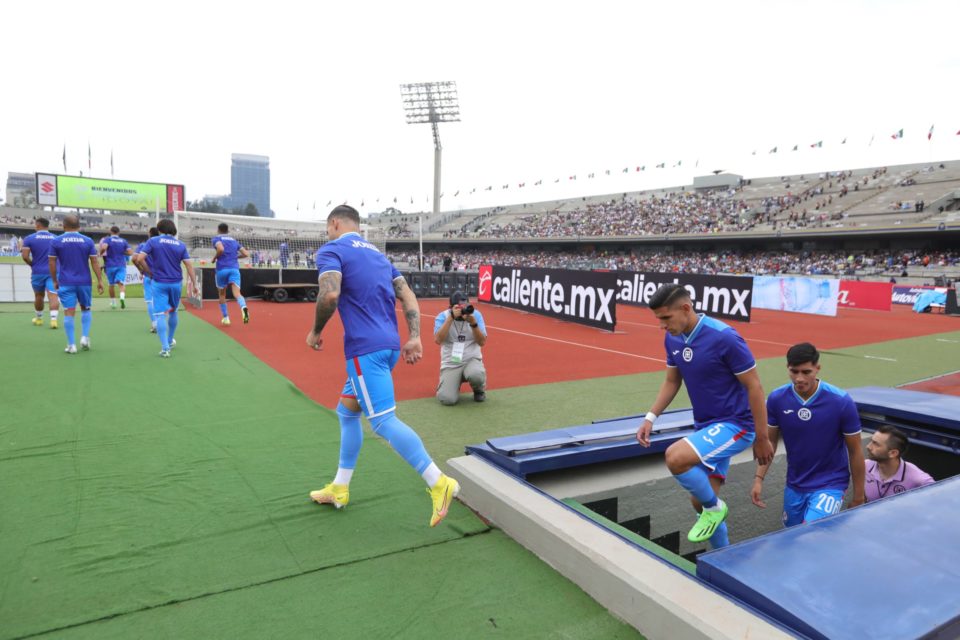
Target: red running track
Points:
(526, 349)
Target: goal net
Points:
(272, 244)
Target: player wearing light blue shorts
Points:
(160, 258)
(71, 256)
(36, 253)
(147, 280)
(356, 279)
(820, 427)
(114, 251)
(229, 251)
(727, 398)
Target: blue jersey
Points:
(709, 360)
(72, 251)
(164, 255)
(813, 431)
(231, 248)
(39, 244)
(116, 253)
(367, 301)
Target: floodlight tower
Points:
(432, 102)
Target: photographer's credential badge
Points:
(457, 354)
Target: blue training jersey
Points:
(709, 360)
(39, 244)
(116, 253)
(164, 255)
(72, 251)
(813, 431)
(231, 249)
(367, 301)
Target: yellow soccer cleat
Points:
(53, 324)
(37, 321)
(336, 494)
(225, 322)
(442, 495)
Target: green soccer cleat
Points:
(123, 304)
(708, 522)
(246, 315)
(336, 494)
(442, 495)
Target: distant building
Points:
(250, 182)
(21, 190)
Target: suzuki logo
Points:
(46, 187)
(485, 289)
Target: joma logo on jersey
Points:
(687, 354)
(804, 414)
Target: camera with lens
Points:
(466, 310)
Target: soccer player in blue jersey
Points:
(71, 256)
(359, 281)
(228, 272)
(147, 280)
(820, 427)
(729, 412)
(114, 251)
(36, 253)
(160, 258)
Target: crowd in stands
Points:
(709, 263)
(675, 212)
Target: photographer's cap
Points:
(457, 297)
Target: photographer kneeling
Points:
(460, 332)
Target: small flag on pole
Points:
(897, 135)
(844, 141)
(930, 133)
(774, 150)
(89, 157)
(111, 163)
(795, 147)
(817, 145)
(65, 157)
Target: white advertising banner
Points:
(797, 294)
(46, 189)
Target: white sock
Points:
(54, 314)
(39, 314)
(431, 475)
(343, 476)
(123, 295)
(716, 507)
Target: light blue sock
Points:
(242, 302)
(403, 439)
(223, 309)
(68, 328)
(173, 319)
(720, 537)
(351, 436)
(150, 310)
(161, 319)
(86, 317)
(697, 483)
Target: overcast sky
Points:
(547, 90)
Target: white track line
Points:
(942, 375)
(880, 358)
(578, 344)
(945, 340)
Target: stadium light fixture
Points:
(433, 103)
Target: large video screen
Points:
(113, 195)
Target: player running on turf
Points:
(228, 272)
(114, 251)
(69, 256)
(148, 281)
(160, 258)
(36, 253)
(727, 398)
(820, 426)
(359, 281)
